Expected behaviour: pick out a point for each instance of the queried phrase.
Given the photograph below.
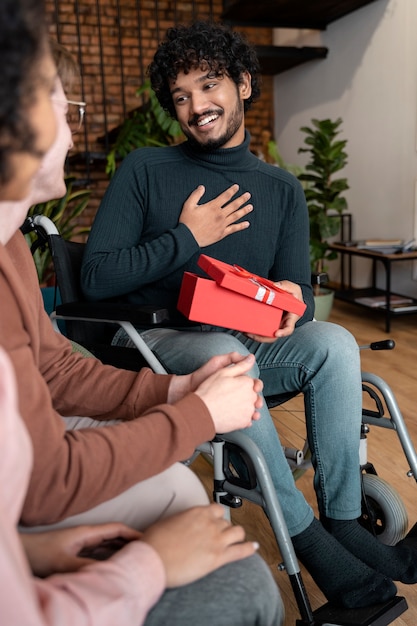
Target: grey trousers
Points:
(239, 594)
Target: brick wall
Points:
(114, 42)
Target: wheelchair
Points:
(383, 512)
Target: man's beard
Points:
(233, 125)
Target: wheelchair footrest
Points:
(375, 615)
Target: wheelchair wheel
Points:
(384, 512)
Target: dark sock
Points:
(343, 578)
(397, 562)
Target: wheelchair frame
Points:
(230, 490)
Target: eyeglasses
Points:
(75, 113)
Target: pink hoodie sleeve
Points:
(119, 591)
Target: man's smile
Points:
(206, 118)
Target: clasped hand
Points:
(231, 396)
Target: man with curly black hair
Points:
(163, 208)
(229, 53)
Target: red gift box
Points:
(235, 299)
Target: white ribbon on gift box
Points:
(264, 294)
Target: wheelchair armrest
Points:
(113, 311)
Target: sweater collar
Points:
(239, 157)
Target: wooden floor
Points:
(398, 368)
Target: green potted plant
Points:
(323, 192)
(64, 212)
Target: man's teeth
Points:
(207, 120)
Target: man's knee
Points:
(183, 352)
(331, 339)
(214, 343)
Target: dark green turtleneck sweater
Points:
(137, 251)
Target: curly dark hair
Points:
(22, 43)
(203, 43)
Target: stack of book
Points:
(386, 246)
(397, 303)
(378, 243)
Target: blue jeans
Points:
(319, 359)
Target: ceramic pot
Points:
(323, 304)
